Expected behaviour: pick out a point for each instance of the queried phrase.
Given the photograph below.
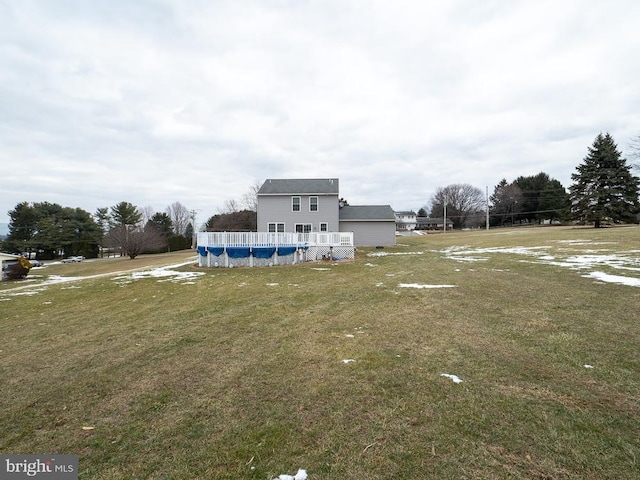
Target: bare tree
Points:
(635, 151)
(231, 206)
(132, 241)
(147, 214)
(463, 202)
(180, 217)
(250, 199)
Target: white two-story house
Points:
(313, 205)
(406, 220)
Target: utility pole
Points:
(487, 207)
(193, 225)
(444, 223)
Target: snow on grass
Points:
(388, 254)
(466, 254)
(348, 360)
(421, 286)
(618, 279)
(455, 378)
(588, 260)
(23, 292)
(586, 365)
(163, 274)
(301, 475)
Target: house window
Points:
(313, 204)
(295, 204)
(275, 227)
(324, 227)
(303, 228)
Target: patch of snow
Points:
(605, 277)
(272, 284)
(350, 335)
(348, 360)
(164, 274)
(468, 259)
(589, 259)
(455, 378)
(587, 366)
(24, 292)
(574, 242)
(417, 285)
(301, 475)
(370, 265)
(320, 268)
(61, 279)
(387, 254)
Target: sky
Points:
(154, 102)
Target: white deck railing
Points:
(265, 239)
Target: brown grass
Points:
(240, 374)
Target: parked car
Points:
(36, 263)
(77, 258)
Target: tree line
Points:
(47, 231)
(604, 190)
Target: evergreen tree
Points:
(604, 188)
(554, 201)
(544, 198)
(126, 214)
(506, 203)
(162, 222)
(23, 221)
(50, 230)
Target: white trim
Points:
(275, 227)
(326, 227)
(303, 225)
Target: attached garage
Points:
(372, 225)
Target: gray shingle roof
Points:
(300, 186)
(367, 213)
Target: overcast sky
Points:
(160, 101)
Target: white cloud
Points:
(154, 102)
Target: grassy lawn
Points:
(336, 367)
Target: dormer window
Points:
(295, 204)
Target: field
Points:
(478, 355)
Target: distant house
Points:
(428, 223)
(313, 205)
(405, 220)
